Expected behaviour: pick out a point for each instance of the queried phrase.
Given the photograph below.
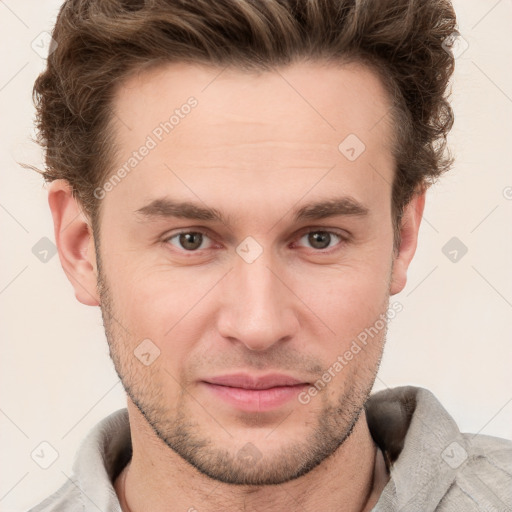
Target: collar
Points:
(421, 444)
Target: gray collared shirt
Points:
(432, 465)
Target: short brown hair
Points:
(100, 43)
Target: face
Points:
(280, 259)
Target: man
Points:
(239, 186)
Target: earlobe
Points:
(410, 226)
(75, 243)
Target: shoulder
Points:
(483, 479)
(433, 465)
(101, 456)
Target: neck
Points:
(157, 479)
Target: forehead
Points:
(253, 131)
(323, 99)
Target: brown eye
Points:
(322, 240)
(188, 240)
(319, 239)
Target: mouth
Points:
(255, 393)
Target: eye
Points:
(194, 241)
(188, 240)
(321, 240)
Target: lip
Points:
(255, 393)
(247, 381)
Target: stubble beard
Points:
(181, 430)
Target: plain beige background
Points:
(454, 333)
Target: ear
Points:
(409, 229)
(75, 243)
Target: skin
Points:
(255, 149)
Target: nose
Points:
(257, 304)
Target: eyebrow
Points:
(166, 207)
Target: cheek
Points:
(162, 303)
(348, 298)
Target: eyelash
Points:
(343, 239)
